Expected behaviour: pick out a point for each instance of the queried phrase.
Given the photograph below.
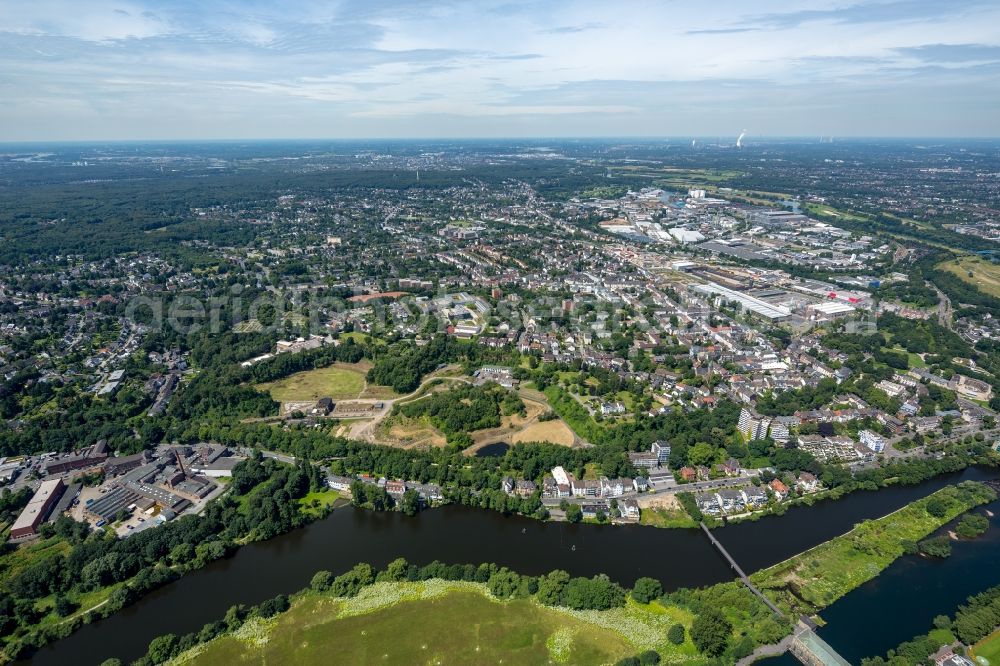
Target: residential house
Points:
(708, 503)
(755, 497)
(323, 407)
(586, 488)
(612, 408)
(629, 509)
(731, 500)
(779, 489)
(807, 482)
(524, 488)
(341, 483)
(549, 487)
(507, 485)
(428, 491)
(732, 467)
(615, 487)
(592, 509)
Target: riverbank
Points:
(819, 576)
(394, 622)
(318, 622)
(477, 614)
(456, 533)
(904, 600)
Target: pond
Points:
(495, 449)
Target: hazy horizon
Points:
(135, 70)
(680, 141)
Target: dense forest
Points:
(463, 409)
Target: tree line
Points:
(262, 503)
(728, 621)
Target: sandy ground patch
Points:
(554, 431)
(668, 502)
(533, 410)
(408, 433)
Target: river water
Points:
(903, 600)
(456, 534)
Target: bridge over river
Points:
(805, 645)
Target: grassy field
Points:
(671, 177)
(339, 381)
(664, 511)
(915, 360)
(658, 517)
(988, 648)
(357, 337)
(816, 578)
(335, 382)
(314, 503)
(13, 561)
(985, 273)
(822, 209)
(573, 413)
(434, 622)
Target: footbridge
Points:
(805, 644)
(739, 572)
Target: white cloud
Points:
(638, 66)
(95, 21)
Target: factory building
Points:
(37, 511)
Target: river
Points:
(902, 602)
(678, 558)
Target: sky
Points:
(217, 69)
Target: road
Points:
(365, 430)
(943, 307)
(663, 484)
